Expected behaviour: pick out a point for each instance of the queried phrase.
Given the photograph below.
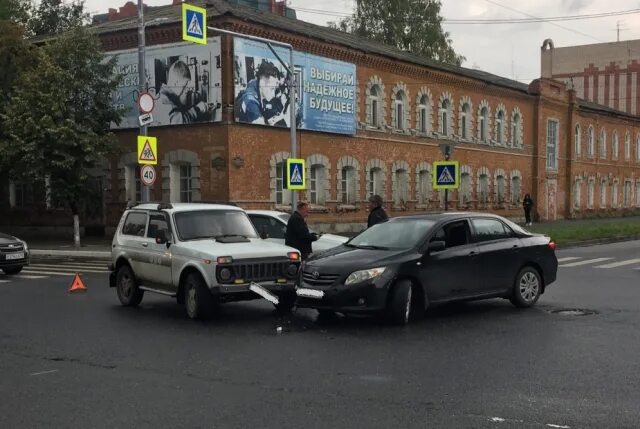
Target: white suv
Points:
(201, 254)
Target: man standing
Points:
(298, 235)
(376, 214)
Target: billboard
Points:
(184, 79)
(326, 89)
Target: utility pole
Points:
(142, 81)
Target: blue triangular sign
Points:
(446, 177)
(296, 177)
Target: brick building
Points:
(576, 158)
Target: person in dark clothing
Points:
(376, 214)
(298, 235)
(527, 204)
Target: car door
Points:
(274, 227)
(134, 241)
(500, 254)
(156, 265)
(452, 272)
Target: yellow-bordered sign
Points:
(446, 175)
(295, 175)
(147, 150)
(194, 24)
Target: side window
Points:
(274, 228)
(453, 234)
(135, 224)
(157, 222)
(490, 229)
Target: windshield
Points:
(194, 225)
(517, 228)
(286, 216)
(395, 234)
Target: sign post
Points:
(446, 176)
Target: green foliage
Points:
(58, 118)
(56, 16)
(566, 233)
(410, 25)
(15, 11)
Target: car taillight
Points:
(552, 246)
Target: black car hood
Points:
(345, 259)
(4, 238)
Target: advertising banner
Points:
(326, 89)
(184, 79)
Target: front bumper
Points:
(14, 263)
(242, 292)
(366, 297)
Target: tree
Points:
(15, 11)
(58, 119)
(410, 25)
(56, 16)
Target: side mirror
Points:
(436, 246)
(263, 232)
(161, 238)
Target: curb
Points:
(71, 253)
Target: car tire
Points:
(199, 303)
(286, 302)
(12, 271)
(526, 288)
(399, 305)
(129, 294)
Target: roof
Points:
(600, 108)
(185, 207)
(170, 14)
(267, 212)
(445, 215)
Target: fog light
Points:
(225, 274)
(292, 270)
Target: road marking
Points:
(45, 372)
(5, 281)
(570, 258)
(620, 264)
(587, 262)
(86, 264)
(51, 273)
(551, 425)
(21, 276)
(58, 268)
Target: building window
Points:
(591, 147)
(374, 98)
(638, 149)
(614, 146)
(424, 187)
(516, 130)
(500, 127)
(375, 183)
(423, 115)
(626, 196)
(552, 144)
(483, 182)
(445, 108)
(638, 194)
(317, 185)
(465, 188)
(602, 144)
(614, 195)
(401, 187)
(466, 121)
(18, 192)
(500, 189)
(591, 193)
(282, 197)
(133, 184)
(399, 111)
(577, 197)
(348, 185)
(186, 191)
(627, 146)
(516, 187)
(484, 124)
(603, 194)
(577, 141)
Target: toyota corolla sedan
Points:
(14, 254)
(400, 267)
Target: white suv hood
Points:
(256, 248)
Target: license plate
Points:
(11, 256)
(310, 293)
(259, 290)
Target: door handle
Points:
(473, 253)
(145, 244)
(515, 246)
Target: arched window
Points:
(483, 186)
(626, 196)
(375, 182)
(615, 146)
(500, 189)
(483, 123)
(465, 123)
(516, 129)
(614, 195)
(627, 146)
(577, 141)
(424, 187)
(603, 144)
(423, 115)
(603, 193)
(591, 147)
(638, 148)
(376, 108)
(500, 127)
(465, 188)
(591, 193)
(348, 185)
(445, 117)
(516, 186)
(317, 184)
(577, 191)
(399, 104)
(401, 187)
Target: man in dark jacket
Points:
(298, 235)
(377, 214)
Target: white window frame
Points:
(615, 146)
(577, 194)
(602, 144)
(186, 193)
(603, 194)
(516, 190)
(591, 193)
(423, 113)
(375, 181)
(627, 146)
(515, 130)
(466, 121)
(445, 117)
(578, 141)
(614, 195)
(424, 187)
(347, 175)
(553, 139)
(591, 142)
(374, 99)
(500, 127)
(483, 123)
(317, 184)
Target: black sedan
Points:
(14, 254)
(400, 267)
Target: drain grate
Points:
(574, 312)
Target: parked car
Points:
(274, 224)
(408, 263)
(201, 254)
(14, 254)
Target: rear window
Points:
(135, 224)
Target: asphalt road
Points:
(84, 361)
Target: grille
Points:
(257, 272)
(16, 247)
(321, 280)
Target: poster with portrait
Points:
(325, 89)
(183, 78)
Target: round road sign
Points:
(148, 175)
(146, 102)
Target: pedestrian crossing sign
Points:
(446, 175)
(194, 24)
(147, 150)
(295, 175)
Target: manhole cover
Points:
(573, 312)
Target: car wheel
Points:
(198, 301)
(527, 288)
(129, 294)
(12, 271)
(286, 302)
(399, 307)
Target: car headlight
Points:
(360, 276)
(24, 243)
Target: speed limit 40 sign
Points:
(148, 175)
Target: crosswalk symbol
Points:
(147, 150)
(296, 178)
(194, 24)
(295, 175)
(445, 177)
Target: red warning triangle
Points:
(147, 153)
(77, 285)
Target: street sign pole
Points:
(141, 79)
(292, 91)
(446, 191)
